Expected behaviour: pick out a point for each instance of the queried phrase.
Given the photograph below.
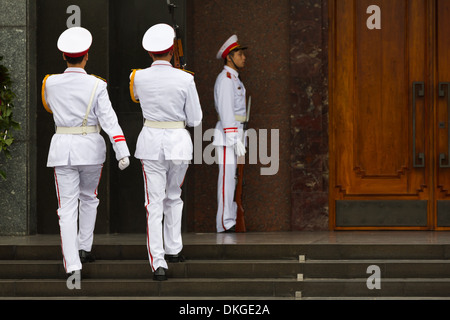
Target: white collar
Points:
(75, 69)
(161, 63)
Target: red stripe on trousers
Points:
(96, 189)
(148, 202)
(223, 184)
(59, 218)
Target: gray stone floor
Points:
(338, 237)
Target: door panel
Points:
(378, 118)
(442, 132)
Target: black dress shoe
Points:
(86, 256)
(160, 274)
(174, 258)
(231, 230)
(74, 274)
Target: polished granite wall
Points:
(286, 75)
(17, 193)
(309, 114)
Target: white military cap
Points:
(75, 42)
(229, 45)
(159, 39)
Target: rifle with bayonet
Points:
(240, 219)
(178, 55)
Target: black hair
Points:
(161, 55)
(72, 60)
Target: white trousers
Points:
(76, 190)
(162, 185)
(226, 185)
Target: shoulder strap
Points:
(43, 94)
(90, 103)
(190, 72)
(99, 77)
(133, 74)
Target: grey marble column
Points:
(17, 46)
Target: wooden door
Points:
(442, 116)
(381, 114)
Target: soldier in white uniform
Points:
(81, 108)
(229, 97)
(169, 101)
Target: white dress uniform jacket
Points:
(229, 97)
(68, 95)
(166, 94)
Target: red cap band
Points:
(76, 55)
(162, 52)
(229, 49)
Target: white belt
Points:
(237, 118)
(165, 124)
(78, 130)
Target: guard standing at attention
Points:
(81, 108)
(229, 98)
(169, 101)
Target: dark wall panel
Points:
(117, 27)
(129, 20)
(51, 22)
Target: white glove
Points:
(239, 148)
(124, 163)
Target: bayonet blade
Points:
(248, 107)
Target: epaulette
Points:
(228, 75)
(133, 74)
(43, 94)
(99, 77)
(190, 72)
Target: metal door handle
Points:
(417, 93)
(442, 156)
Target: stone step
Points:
(240, 269)
(140, 269)
(233, 287)
(400, 268)
(168, 299)
(176, 287)
(135, 269)
(373, 298)
(242, 251)
(389, 287)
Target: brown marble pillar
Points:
(286, 75)
(309, 114)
